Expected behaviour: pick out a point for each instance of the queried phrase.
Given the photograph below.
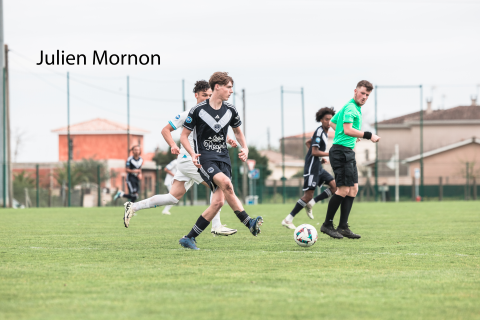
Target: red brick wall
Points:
(99, 147)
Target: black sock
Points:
(324, 195)
(243, 217)
(333, 205)
(198, 228)
(131, 197)
(345, 211)
(298, 206)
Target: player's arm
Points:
(231, 142)
(352, 132)
(167, 135)
(308, 143)
(243, 155)
(317, 153)
(169, 172)
(184, 141)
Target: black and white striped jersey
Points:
(210, 129)
(133, 164)
(313, 164)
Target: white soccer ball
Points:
(305, 235)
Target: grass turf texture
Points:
(414, 261)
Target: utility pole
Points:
(183, 95)
(128, 116)
(245, 168)
(9, 154)
(303, 122)
(3, 113)
(284, 191)
(376, 148)
(69, 177)
(421, 143)
(268, 139)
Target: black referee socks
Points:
(345, 211)
(333, 205)
(198, 228)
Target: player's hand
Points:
(139, 176)
(175, 150)
(232, 142)
(375, 138)
(195, 160)
(325, 161)
(358, 139)
(243, 155)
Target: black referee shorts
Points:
(344, 165)
(311, 181)
(210, 168)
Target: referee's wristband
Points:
(367, 135)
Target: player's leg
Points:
(223, 181)
(218, 228)
(307, 196)
(325, 177)
(189, 241)
(346, 207)
(166, 210)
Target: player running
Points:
(186, 174)
(134, 175)
(346, 123)
(313, 173)
(209, 123)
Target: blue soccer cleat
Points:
(119, 194)
(188, 243)
(254, 225)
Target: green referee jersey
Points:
(350, 113)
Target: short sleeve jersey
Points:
(172, 166)
(313, 164)
(350, 113)
(176, 123)
(210, 129)
(133, 164)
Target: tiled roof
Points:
(100, 126)
(457, 113)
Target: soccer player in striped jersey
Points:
(134, 175)
(314, 175)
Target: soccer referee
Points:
(346, 123)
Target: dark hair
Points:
(366, 84)
(221, 78)
(201, 86)
(324, 111)
(137, 145)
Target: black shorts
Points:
(211, 168)
(344, 165)
(132, 184)
(311, 181)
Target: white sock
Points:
(289, 218)
(155, 201)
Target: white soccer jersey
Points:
(172, 166)
(177, 123)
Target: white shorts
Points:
(187, 172)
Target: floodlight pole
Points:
(69, 176)
(303, 123)
(283, 150)
(421, 143)
(4, 182)
(184, 105)
(376, 148)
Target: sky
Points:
(326, 47)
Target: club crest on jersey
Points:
(217, 127)
(314, 184)
(188, 120)
(317, 140)
(177, 117)
(210, 170)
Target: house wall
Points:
(451, 164)
(97, 146)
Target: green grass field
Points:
(414, 261)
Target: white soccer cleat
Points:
(128, 213)
(223, 231)
(288, 225)
(166, 212)
(309, 207)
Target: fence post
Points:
(157, 184)
(440, 190)
(300, 191)
(191, 196)
(474, 183)
(145, 188)
(37, 185)
(99, 200)
(413, 188)
(466, 185)
(207, 195)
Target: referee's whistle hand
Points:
(375, 138)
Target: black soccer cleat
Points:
(346, 232)
(330, 230)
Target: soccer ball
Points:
(305, 235)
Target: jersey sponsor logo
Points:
(188, 120)
(317, 139)
(177, 117)
(210, 170)
(217, 143)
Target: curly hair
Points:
(221, 78)
(201, 86)
(324, 111)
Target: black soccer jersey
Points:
(133, 164)
(314, 164)
(210, 129)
